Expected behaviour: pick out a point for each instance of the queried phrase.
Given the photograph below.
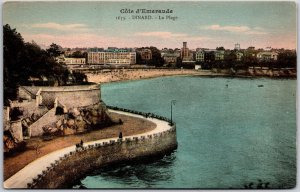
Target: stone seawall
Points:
(77, 164)
(62, 167)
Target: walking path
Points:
(25, 175)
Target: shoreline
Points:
(136, 74)
(105, 79)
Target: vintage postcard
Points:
(149, 94)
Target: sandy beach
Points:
(136, 74)
(113, 75)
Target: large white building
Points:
(71, 62)
(218, 54)
(112, 58)
(170, 58)
(75, 61)
(239, 55)
(267, 56)
(200, 55)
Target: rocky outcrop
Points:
(55, 111)
(78, 120)
(8, 143)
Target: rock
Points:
(9, 143)
(81, 125)
(82, 113)
(74, 111)
(65, 117)
(100, 113)
(5, 138)
(59, 123)
(71, 122)
(46, 128)
(79, 118)
(94, 120)
(87, 115)
(94, 112)
(53, 130)
(95, 107)
(61, 127)
(68, 131)
(87, 121)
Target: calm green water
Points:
(227, 136)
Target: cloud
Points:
(72, 40)
(237, 29)
(161, 34)
(61, 27)
(196, 38)
(93, 40)
(165, 35)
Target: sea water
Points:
(230, 131)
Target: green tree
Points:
(287, 59)
(220, 48)
(79, 54)
(13, 44)
(54, 50)
(249, 60)
(79, 77)
(139, 58)
(23, 60)
(156, 60)
(230, 59)
(179, 62)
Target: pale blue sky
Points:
(201, 24)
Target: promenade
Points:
(30, 171)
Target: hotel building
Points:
(112, 57)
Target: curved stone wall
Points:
(76, 164)
(71, 164)
(71, 96)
